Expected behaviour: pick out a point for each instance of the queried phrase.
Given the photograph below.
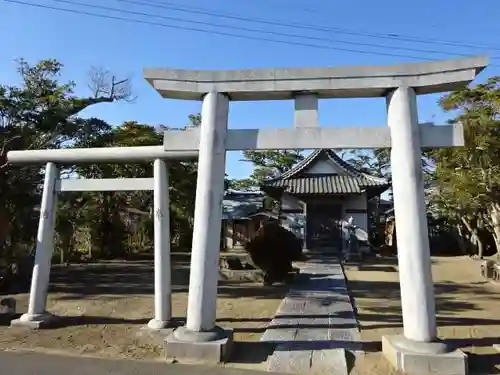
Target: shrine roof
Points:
(351, 181)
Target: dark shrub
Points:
(273, 249)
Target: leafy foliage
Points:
(467, 179)
(43, 112)
(268, 164)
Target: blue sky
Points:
(80, 41)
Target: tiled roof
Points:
(241, 205)
(354, 180)
(325, 184)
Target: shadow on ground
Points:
(484, 364)
(293, 318)
(444, 292)
(86, 320)
(251, 352)
(453, 299)
(455, 343)
(83, 320)
(81, 281)
(448, 306)
(112, 280)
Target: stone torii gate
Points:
(419, 348)
(37, 315)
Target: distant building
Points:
(242, 213)
(320, 192)
(314, 197)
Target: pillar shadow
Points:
(84, 320)
(112, 280)
(455, 343)
(251, 352)
(444, 292)
(377, 268)
(482, 364)
(123, 278)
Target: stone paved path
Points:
(315, 324)
(27, 363)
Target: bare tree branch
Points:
(106, 87)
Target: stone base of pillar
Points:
(35, 321)
(416, 358)
(186, 346)
(155, 324)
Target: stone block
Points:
(202, 352)
(423, 363)
(241, 275)
(290, 360)
(35, 321)
(329, 361)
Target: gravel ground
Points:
(467, 310)
(104, 306)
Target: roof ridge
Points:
(299, 166)
(314, 184)
(334, 158)
(328, 175)
(348, 167)
(375, 178)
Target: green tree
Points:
(468, 178)
(375, 162)
(39, 113)
(268, 164)
(117, 224)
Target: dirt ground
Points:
(105, 305)
(467, 310)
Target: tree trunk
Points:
(480, 239)
(474, 236)
(495, 223)
(460, 239)
(61, 253)
(480, 246)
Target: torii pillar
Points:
(418, 351)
